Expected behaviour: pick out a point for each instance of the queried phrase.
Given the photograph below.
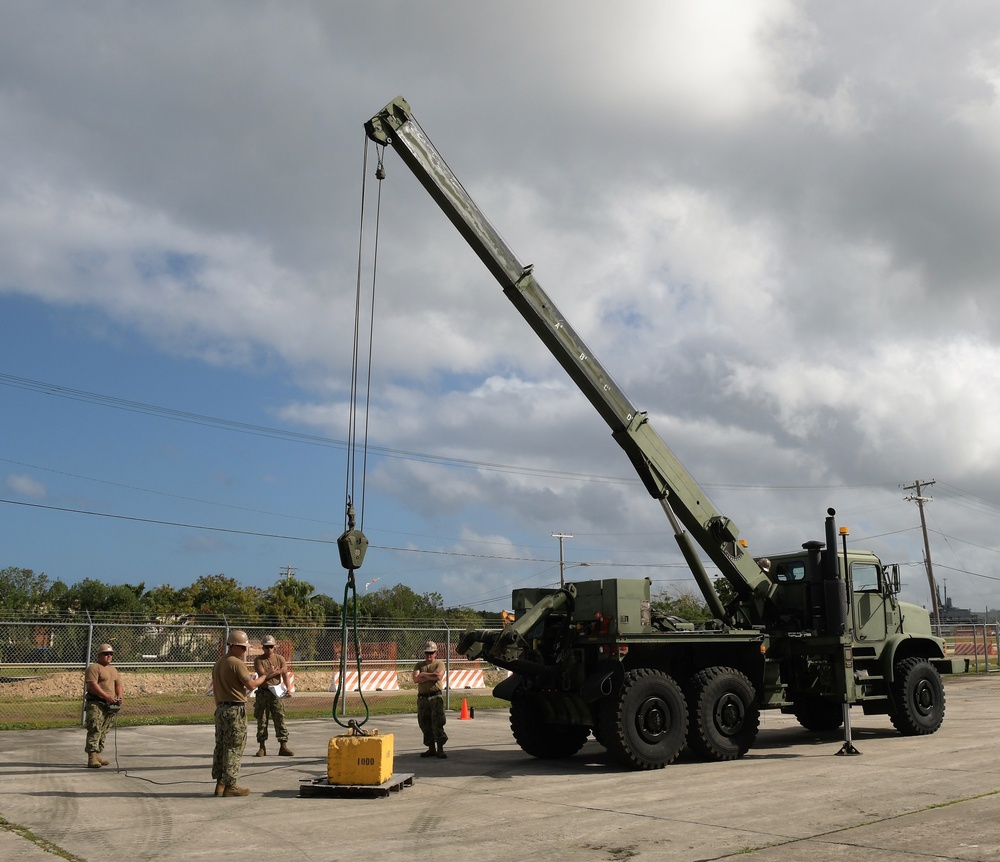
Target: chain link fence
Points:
(977, 643)
(166, 668)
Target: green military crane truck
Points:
(812, 632)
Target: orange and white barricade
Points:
(371, 680)
(466, 679)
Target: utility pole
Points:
(919, 499)
(562, 559)
(287, 571)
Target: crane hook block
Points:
(352, 545)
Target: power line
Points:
(113, 402)
(294, 436)
(181, 524)
(964, 541)
(163, 493)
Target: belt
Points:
(231, 703)
(431, 694)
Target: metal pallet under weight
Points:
(322, 787)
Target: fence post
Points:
(996, 642)
(447, 664)
(86, 662)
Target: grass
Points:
(53, 712)
(42, 843)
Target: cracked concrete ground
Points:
(792, 798)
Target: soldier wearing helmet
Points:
(103, 686)
(231, 681)
(429, 677)
(268, 703)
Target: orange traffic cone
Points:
(464, 714)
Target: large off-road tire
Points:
(723, 714)
(917, 697)
(645, 725)
(539, 739)
(816, 714)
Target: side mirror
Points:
(891, 575)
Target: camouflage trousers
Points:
(230, 740)
(99, 721)
(431, 718)
(265, 706)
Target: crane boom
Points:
(663, 475)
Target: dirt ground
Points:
(70, 684)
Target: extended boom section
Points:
(663, 475)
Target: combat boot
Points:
(233, 790)
(285, 751)
(220, 786)
(440, 751)
(93, 762)
(102, 759)
(429, 753)
(262, 751)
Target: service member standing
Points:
(230, 682)
(429, 677)
(267, 704)
(103, 686)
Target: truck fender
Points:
(603, 683)
(908, 646)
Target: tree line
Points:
(289, 600)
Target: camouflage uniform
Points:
(100, 677)
(230, 677)
(266, 704)
(430, 701)
(431, 718)
(230, 740)
(99, 720)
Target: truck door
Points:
(869, 603)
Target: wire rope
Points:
(352, 543)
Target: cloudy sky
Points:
(774, 222)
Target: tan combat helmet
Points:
(269, 641)
(238, 638)
(430, 647)
(105, 648)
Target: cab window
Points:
(865, 577)
(790, 570)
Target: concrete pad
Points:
(792, 798)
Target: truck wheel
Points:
(917, 696)
(539, 739)
(645, 725)
(723, 714)
(821, 716)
